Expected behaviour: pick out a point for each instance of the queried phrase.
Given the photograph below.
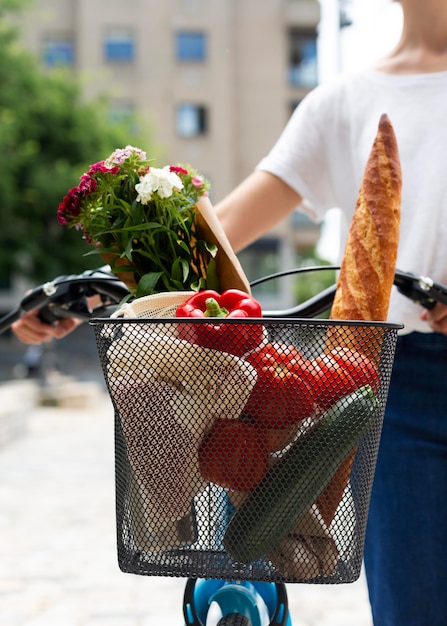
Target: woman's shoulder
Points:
(342, 87)
(339, 98)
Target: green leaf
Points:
(176, 270)
(212, 248)
(186, 269)
(181, 244)
(136, 227)
(128, 250)
(212, 280)
(147, 284)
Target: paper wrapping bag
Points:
(307, 552)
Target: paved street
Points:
(57, 549)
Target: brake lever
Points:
(71, 301)
(71, 298)
(422, 290)
(67, 296)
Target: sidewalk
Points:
(57, 550)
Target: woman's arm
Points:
(254, 207)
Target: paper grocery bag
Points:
(306, 552)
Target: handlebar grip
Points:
(8, 320)
(47, 316)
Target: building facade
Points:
(215, 81)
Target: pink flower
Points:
(69, 208)
(103, 168)
(197, 181)
(178, 170)
(87, 185)
(122, 154)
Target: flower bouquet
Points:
(154, 226)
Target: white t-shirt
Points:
(323, 150)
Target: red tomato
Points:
(327, 379)
(280, 398)
(234, 454)
(359, 367)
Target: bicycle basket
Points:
(245, 449)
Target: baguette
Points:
(369, 261)
(367, 272)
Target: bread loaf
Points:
(367, 272)
(369, 261)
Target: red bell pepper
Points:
(231, 304)
(280, 398)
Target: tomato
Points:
(279, 438)
(327, 379)
(280, 398)
(234, 454)
(359, 367)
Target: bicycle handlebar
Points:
(420, 289)
(67, 296)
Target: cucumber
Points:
(295, 481)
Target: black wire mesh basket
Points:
(245, 449)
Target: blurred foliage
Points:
(309, 276)
(48, 137)
(309, 284)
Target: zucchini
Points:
(294, 482)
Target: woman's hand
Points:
(436, 318)
(31, 330)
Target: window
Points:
(302, 58)
(190, 46)
(121, 111)
(191, 120)
(119, 46)
(58, 51)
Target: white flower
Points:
(144, 189)
(159, 181)
(121, 154)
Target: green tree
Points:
(48, 137)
